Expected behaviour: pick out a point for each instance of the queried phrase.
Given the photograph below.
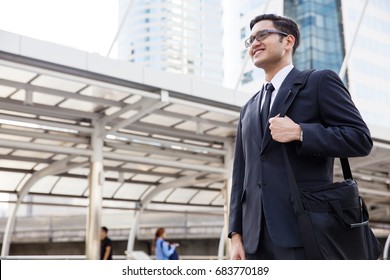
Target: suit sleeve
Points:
(342, 132)
(235, 215)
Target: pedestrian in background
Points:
(163, 249)
(105, 245)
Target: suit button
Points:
(258, 185)
(263, 158)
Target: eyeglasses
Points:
(261, 35)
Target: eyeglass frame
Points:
(248, 42)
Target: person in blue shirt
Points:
(164, 250)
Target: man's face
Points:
(102, 234)
(270, 51)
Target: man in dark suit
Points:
(320, 124)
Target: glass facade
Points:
(369, 63)
(176, 36)
(322, 44)
(237, 15)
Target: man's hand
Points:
(238, 252)
(284, 130)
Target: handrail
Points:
(83, 257)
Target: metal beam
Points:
(207, 208)
(45, 135)
(228, 109)
(161, 162)
(29, 146)
(28, 159)
(195, 119)
(147, 108)
(175, 132)
(154, 141)
(374, 192)
(123, 110)
(45, 110)
(370, 160)
(61, 93)
(49, 125)
(166, 152)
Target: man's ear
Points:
(290, 41)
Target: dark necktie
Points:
(264, 114)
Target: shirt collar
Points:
(278, 79)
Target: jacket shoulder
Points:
(248, 103)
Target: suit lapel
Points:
(254, 115)
(280, 100)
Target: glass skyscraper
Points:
(369, 63)
(175, 36)
(322, 44)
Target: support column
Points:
(133, 233)
(9, 228)
(96, 182)
(224, 244)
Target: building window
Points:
(248, 77)
(243, 33)
(243, 54)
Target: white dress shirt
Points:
(277, 82)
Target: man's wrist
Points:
(300, 133)
(235, 235)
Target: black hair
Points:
(284, 24)
(105, 229)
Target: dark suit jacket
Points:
(332, 127)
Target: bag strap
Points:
(306, 230)
(346, 168)
(305, 227)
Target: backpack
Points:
(174, 255)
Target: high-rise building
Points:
(237, 15)
(322, 42)
(327, 31)
(369, 62)
(173, 35)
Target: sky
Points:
(88, 25)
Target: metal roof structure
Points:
(164, 141)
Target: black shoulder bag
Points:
(333, 218)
